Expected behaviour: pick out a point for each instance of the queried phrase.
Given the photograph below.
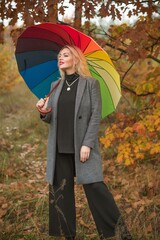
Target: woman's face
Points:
(66, 61)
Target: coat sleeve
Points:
(46, 118)
(93, 126)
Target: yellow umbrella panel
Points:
(104, 71)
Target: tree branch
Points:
(124, 52)
(132, 91)
(153, 58)
(116, 59)
(112, 38)
(127, 72)
(119, 49)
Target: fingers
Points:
(40, 103)
(84, 153)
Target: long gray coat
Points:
(86, 125)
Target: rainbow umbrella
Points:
(36, 55)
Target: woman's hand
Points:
(42, 103)
(84, 153)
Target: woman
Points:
(73, 149)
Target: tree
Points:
(34, 11)
(131, 46)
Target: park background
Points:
(129, 138)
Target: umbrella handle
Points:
(47, 110)
(44, 111)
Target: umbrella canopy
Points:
(36, 54)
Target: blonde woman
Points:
(73, 149)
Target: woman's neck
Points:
(71, 77)
(70, 71)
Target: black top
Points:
(65, 115)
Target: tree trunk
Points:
(78, 14)
(53, 11)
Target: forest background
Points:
(129, 138)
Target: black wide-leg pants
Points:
(62, 213)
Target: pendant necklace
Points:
(69, 85)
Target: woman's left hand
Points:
(84, 153)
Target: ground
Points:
(24, 192)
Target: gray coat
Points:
(86, 125)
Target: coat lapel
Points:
(80, 90)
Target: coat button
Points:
(80, 117)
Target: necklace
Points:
(69, 85)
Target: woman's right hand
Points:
(40, 103)
(42, 106)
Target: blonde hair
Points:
(81, 66)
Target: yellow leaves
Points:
(158, 93)
(106, 142)
(151, 82)
(134, 142)
(145, 88)
(139, 155)
(139, 128)
(124, 154)
(129, 161)
(120, 158)
(155, 148)
(8, 67)
(148, 87)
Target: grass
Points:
(24, 193)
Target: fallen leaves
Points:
(140, 209)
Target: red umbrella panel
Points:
(36, 54)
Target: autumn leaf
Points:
(139, 128)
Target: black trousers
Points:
(62, 213)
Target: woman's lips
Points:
(60, 63)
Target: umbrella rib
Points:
(88, 43)
(57, 34)
(33, 38)
(109, 74)
(105, 84)
(39, 49)
(45, 61)
(47, 38)
(38, 38)
(95, 71)
(78, 32)
(35, 51)
(70, 36)
(98, 59)
(45, 78)
(88, 54)
(79, 43)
